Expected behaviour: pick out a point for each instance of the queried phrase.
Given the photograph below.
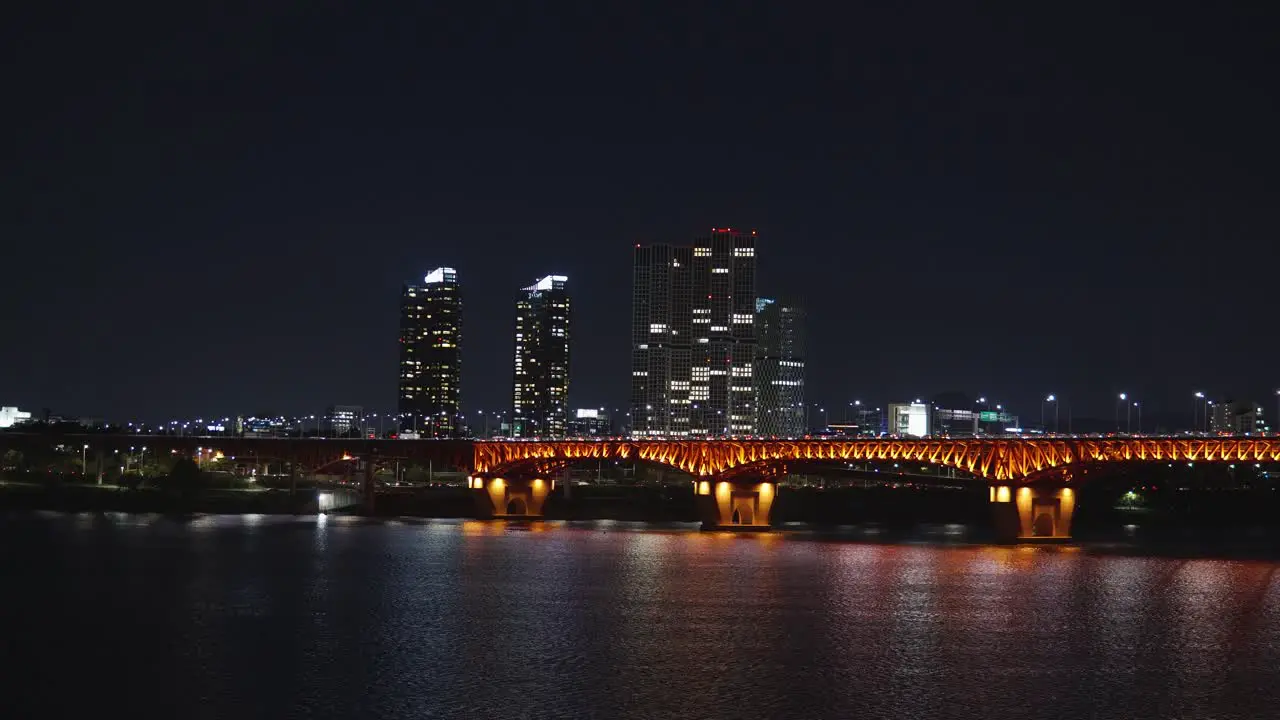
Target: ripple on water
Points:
(333, 616)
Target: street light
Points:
(1123, 397)
(1051, 399)
(1139, 406)
(84, 460)
(1195, 411)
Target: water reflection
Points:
(343, 617)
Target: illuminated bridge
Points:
(1031, 480)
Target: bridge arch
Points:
(1014, 460)
(718, 457)
(554, 468)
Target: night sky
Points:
(208, 211)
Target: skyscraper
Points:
(779, 368)
(540, 403)
(693, 337)
(430, 357)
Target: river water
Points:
(273, 617)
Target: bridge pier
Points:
(741, 505)
(511, 498)
(1032, 513)
(370, 490)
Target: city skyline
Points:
(835, 410)
(960, 208)
(461, 359)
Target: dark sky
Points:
(211, 211)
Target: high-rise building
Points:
(693, 337)
(779, 368)
(540, 404)
(430, 356)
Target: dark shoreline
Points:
(936, 519)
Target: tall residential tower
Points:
(540, 403)
(779, 368)
(693, 337)
(430, 357)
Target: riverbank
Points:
(867, 515)
(112, 498)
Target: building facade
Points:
(540, 398)
(950, 422)
(339, 421)
(1236, 418)
(591, 422)
(693, 337)
(779, 368)
(909, 419)
(10, 416)
(430, 400)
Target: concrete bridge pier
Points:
(370, 490)
(1032, 513)
(511, 498)
(740, 504)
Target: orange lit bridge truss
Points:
(997, 459)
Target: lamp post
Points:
(1123, 397)
(84, 461)
(1051, 399)
(1195, 411)
(1139, 406)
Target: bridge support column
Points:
(741, 504)
(1031, 514)
(370, 491)
(511, 498)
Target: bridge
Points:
(1032, 482)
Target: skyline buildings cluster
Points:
(709, 356)
(430, 397)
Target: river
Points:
(336, 617)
